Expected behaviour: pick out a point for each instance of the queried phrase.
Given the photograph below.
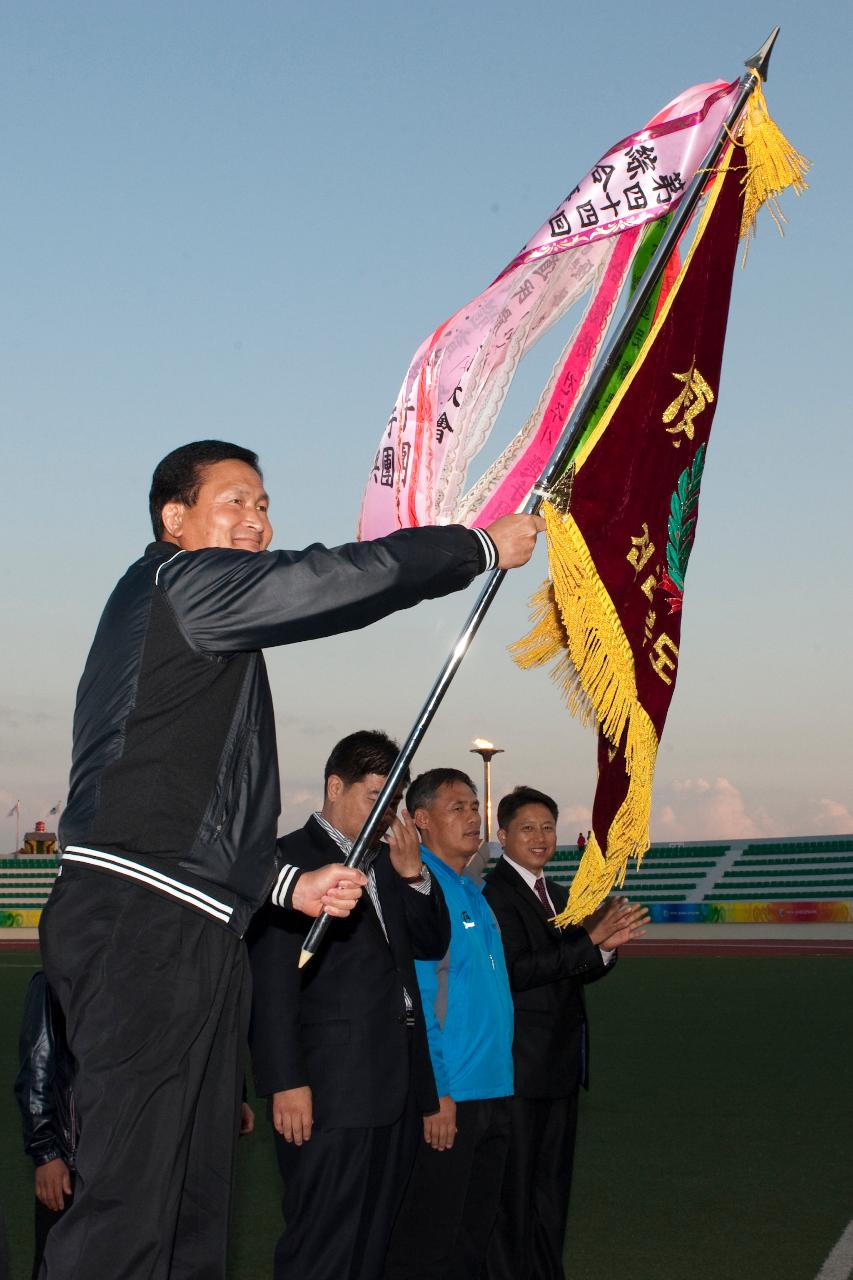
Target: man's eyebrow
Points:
(237, 487)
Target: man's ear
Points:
(334, 787)
(172, 516)
(502, 837)
(421, 819)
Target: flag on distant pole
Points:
(16, 811)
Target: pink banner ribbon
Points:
(459, 377)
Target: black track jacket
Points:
(43, 1086)
(174, 775)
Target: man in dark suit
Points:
(548, 968)
(340, 1047)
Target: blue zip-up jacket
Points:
(466, 998)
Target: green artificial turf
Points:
(714, 1143)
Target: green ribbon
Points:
(649, 242)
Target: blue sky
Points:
(239, 220)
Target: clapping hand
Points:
(616, 922)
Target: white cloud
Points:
(573, 818)
(698, 809)
(580, 813)
(694, 786)
(831, 817)
(299, 803)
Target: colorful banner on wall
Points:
(828, 911)
(24, 918)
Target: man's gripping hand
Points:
(334, 889)
(515, 537)
(440, 1127)
(293, 1114)
(53, 1183)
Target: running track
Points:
(735, 947)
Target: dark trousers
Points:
(45, 1219)
(156, 998)
(530, 1228)
(444, 1225)
(342, 1192)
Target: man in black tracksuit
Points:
(168, 841)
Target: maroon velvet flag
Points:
(618, 557)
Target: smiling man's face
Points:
(231, 510)
(530, 837)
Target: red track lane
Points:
(739, 947)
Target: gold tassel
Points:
(592, 882)
(576, 624)
(772, 164)
(547, 642)
(575, 616)
(597, 875)
(546, 638)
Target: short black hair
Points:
(517, 799)
(423, 790)
(357, 755)
(178, 477)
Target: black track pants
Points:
(527, 1242)
(156, 998)
(449, 1209)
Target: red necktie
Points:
(539, 886)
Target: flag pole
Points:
(569, 438)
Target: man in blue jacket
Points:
(468, 1009)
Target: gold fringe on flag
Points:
(576, 624)
(772, 164)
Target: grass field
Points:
(715, 1142)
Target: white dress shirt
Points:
(530, 878)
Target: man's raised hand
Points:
(404, 845)
(515, 538)
(334, 889)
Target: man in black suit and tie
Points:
(548, 968)
(340, 1047)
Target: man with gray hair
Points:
(468, 1009)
